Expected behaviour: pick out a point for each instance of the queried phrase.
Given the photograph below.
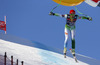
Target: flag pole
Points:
(5, 23)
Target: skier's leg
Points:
(66, 40)
(73, 40)
(73, 44)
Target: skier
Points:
(70, 28)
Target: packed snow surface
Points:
(33, 53)
(35, 56)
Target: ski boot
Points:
(65, 50)
(73, 52)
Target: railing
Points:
(11, 61)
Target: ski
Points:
(64, 55)
(74, 56)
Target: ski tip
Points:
(77, 61)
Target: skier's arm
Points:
(56, 14)
(83, 17)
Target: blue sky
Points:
(29, 19)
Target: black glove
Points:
(51, 13)
(89, 18)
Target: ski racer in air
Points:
(71, 19)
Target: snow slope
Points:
(33, 53)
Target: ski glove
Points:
(89, 18)
(51, 13)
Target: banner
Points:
(3, 25)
